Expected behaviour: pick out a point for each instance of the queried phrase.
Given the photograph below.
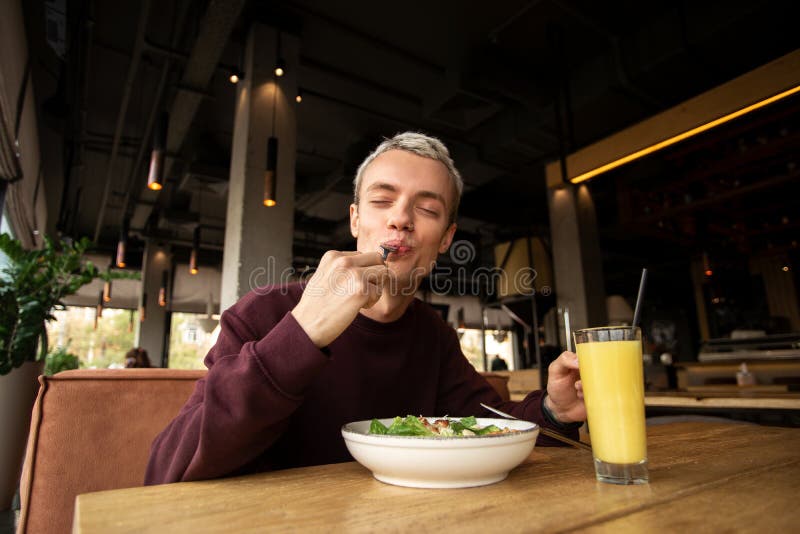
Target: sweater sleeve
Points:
(243, 404)
(463, 389)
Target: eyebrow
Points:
(424, 194)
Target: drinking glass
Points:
(610, 360)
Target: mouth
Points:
(395, 247)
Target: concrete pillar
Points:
(577, 260)
(258, 239)
(151, 334)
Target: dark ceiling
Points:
(483, 77)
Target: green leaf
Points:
(32, 284)
(486, 430)
(376, 427)
(60, 360)
(408, 426)
(469, 422)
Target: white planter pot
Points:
(17, 394)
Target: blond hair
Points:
(421, 145)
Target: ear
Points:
(447, 238)
(354, 220)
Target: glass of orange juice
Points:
(610, 361)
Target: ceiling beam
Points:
(123, 110)
(766, 81)
(212, 36)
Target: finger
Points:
(564, 364)
(373, 295)
(374, 274)
(569, 359)
(365, 259)
(332, 255)
(372, 279)
(579, 385)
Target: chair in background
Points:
(91, 430)
(499, 383)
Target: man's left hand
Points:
(564, 390)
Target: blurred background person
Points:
(137, 357)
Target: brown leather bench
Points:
(91, 430)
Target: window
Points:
(97, 348)
(188, 342)
(190, 333)
(499, 343)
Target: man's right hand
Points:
(344, 283)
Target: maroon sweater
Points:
(273, 400)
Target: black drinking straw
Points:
(638, 311)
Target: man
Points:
(292, 364)
(498, 364)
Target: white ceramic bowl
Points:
(441, 462)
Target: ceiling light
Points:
(299, 97)
(236, 75)
(271, 172)
(155, 179)
(680, 137)
(122, 244)
(162, 291)
(280, 64)
(271, 168)
(107, 289)
(707, 266)
(195, 251)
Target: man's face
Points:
(404, 202)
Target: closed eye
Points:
(428, 211)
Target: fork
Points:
(386, 250)
(545, 431)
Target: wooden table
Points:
(717, 477)
(724, 398)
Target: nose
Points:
(401, 217)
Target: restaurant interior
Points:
(148, 127)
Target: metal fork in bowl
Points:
(545, 431)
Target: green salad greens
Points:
(420, 426)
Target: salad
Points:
(420, 426)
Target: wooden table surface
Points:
(720, 398)
(704, 476)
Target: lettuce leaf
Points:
(469, 422)
(408, 426)
(486, 430)
(412, 426)
(376, 427)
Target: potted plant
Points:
(33, 283)
(60, 359)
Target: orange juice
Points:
(613, 388)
